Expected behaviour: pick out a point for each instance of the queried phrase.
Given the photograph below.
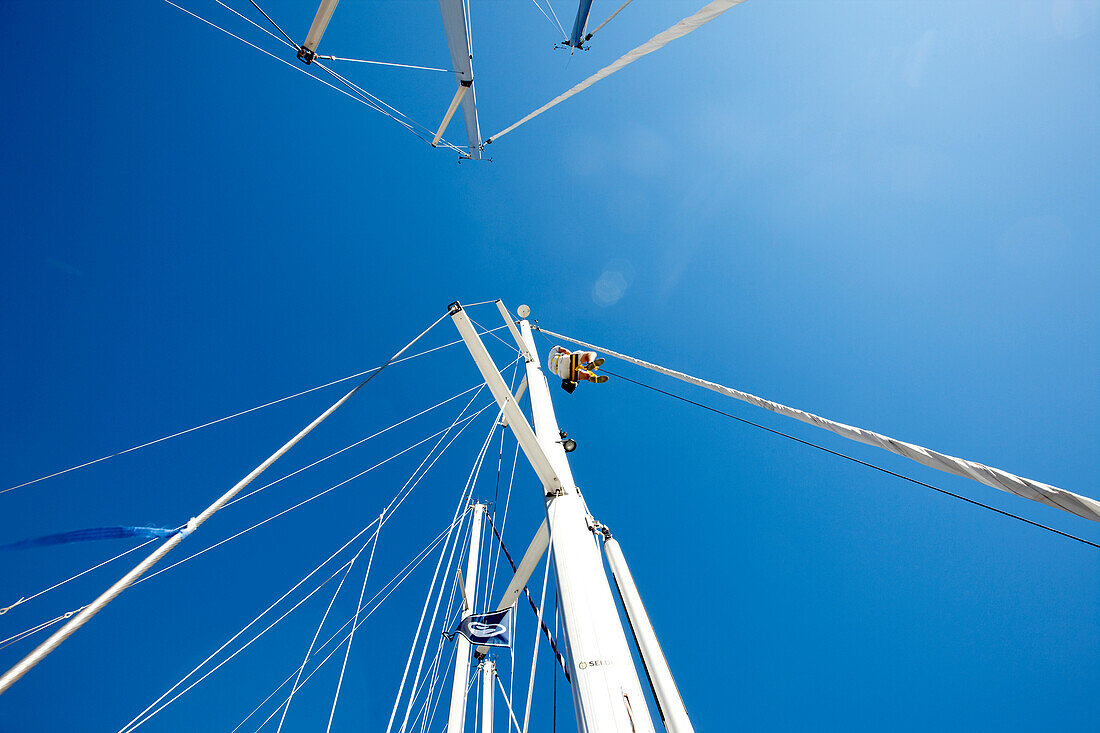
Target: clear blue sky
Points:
(884, 213)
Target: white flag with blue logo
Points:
(489, 629)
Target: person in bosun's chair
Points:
(575, 366)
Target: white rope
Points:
(432, 677)
(21, 601)
(324, 617)
(1052, 496)
(411, 122)
(438, 689)
(134, 722)
(230, 417)
(685, 26)
(247, 644)
(384, 63)
(42, 650)
(299, 69)
(364, 440)
(464, 422)
(306, 501)
(35, 629)
(423, 613)
(426, 713)
(560, 27)
(254, 491)
(508, 702)
(351, 636)
(417, 687)
(555, 25)
(387, 590)
(609, 19)
(467, 491)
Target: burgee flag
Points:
(490, 629)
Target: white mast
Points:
(607, 695)
(669, 702)
(488, 670)
(457, 719)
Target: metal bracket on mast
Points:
(308, 51)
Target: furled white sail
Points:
(701, 17)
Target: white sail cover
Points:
(1052, 496)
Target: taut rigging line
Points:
(853, 459)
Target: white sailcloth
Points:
(704, 15)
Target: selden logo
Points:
(595, 663)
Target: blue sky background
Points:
(884, 213)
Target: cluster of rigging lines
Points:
(457, 30)
(596, 656)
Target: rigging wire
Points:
(556, 25)
(324, 617)
(560, 27)
(492, 562)
(266, 486)
(269, 19)
(464, 422)
(288, 592)
(1053, 496)
(15, 673)
(542, 604)
(134, 723)
(416, 636)
(26, 599)
(35, 629)
(854, 460)
(508, 702)
(305, 501)
(478, 387)
(471, 482)
(427, 722)
(534, 608)
(300, 69)
(230, 417)
(396, 582)
(376, 100)
(385, 63)
(368, 98)
(351, 635)
(289, 42)
(511, 346)
(234, 654)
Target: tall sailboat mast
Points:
(457, 719)
(607, 693)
